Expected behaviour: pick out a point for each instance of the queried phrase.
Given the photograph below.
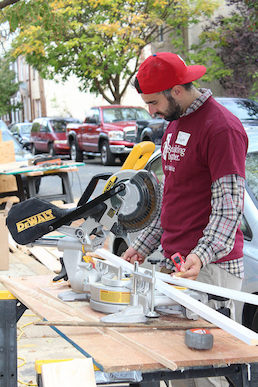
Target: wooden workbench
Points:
(21, 170)
(124, 349)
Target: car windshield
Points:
(58, 125)
(252, 172)
(243, 109)
(26, 128)
(125, 114)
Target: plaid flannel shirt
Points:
(219, 235)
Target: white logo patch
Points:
(166, 145)
(182, 138)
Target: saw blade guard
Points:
(139, 202)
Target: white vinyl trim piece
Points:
(211, 289)
(195, 285)
(242, 333)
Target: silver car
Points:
(249, 312)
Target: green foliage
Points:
(8, 87)
(100, 41)
(232, 54)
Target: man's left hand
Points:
(191, 268)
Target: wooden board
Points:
(7, 153)
(124, 349)
(8, 184)
(46, 258)
(77, 372)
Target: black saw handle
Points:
(91, 187)
(33, 218)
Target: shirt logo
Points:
(166, 146)
(182, 138)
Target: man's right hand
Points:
(131, 255)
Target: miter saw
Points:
(129, 202)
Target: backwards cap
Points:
(164, 70)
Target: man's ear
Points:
(177, 90)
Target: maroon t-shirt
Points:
(197, 150)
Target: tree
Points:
(8, 88)
(5, 3)
(230, 45)
(100, 41)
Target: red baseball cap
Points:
(163, 70)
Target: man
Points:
(203, 158)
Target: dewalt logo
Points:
(32, 221)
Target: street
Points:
(79, 180)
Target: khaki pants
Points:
(214, 275)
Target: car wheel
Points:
(121, 248)
(146, 139)
(51, 149)
(75, 153)
(107, 158)
(123, 157)
(34, 150)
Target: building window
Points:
(37, 106)
(27, 70)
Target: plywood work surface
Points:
(124, 349)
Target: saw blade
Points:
(145, 205)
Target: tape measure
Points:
(178, 260)
(199, 338)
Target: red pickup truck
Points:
(107, 131)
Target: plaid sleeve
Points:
(227, 209)
(149, 239)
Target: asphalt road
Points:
(79, 180)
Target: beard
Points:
(173, 111)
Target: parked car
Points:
(21, 154)
(151, 130)
(245, 109)
(247, 313)
(21, 130)
(48, 135)
(107, 131)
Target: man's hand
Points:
(131, 255)
(191, 268)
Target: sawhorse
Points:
(11, 311)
